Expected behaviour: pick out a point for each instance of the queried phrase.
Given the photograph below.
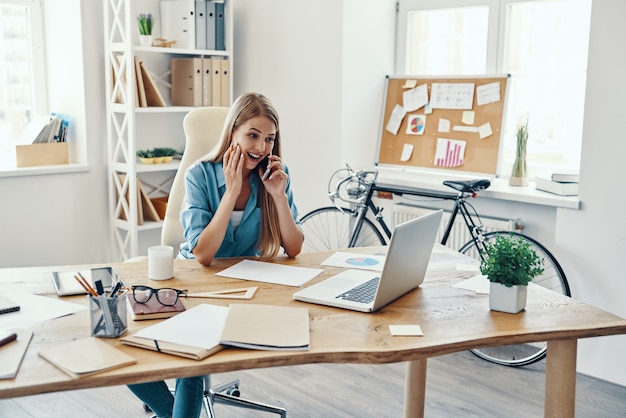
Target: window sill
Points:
(47, 169)
(499, 188)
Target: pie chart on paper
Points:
(362, 261)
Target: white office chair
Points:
(203, 127)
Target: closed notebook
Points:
(12, 354)
(193, 334)
(266, 327)
(86, 356)
(152, 309)
(7, 305)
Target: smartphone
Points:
(266, 168)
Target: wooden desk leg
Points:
(560, 392)
(415, 389)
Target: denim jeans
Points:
(185, 403)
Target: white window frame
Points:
(38, 59)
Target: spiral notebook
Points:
(7, 305)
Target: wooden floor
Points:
(458, 385)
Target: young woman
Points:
(238, 202)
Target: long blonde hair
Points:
(246, 107)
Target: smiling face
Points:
(255, 138)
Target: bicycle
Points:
(335, 227)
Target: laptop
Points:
(404, 269)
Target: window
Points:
(542, 44)
(23, 91)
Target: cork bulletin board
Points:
(449, 123)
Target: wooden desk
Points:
(452, 320)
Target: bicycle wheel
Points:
(329, 228)
(553, 278)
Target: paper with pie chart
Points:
(356, 261)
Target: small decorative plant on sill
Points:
(145, 28)
(518, 174)
(145, 156)
(510, 265)
(164, 154)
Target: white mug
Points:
(160, 262)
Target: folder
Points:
(210, 24)
(220, 30)
(216, 82)
(86, 356)
(225, 83)
(141, 92)
(12, 354)
(153, 95)
(187, 81)
(178, 22)
(148, 210)
(206, 81)
(266, 327)
(200, 24)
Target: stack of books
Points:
(563, 184)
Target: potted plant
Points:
(145, 156)
(165, 154)
(145, 22)
(510, 264)
(518, 174)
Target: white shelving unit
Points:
(130, 128)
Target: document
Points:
(270, 273)
(34, 309)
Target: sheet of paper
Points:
(270, 273)
(407, 151)
(484, 130)
(461, 128)
(409, 84)
(449, 152)
(478, 284)
(452, 96)
(444, 125)
(416, 124)
(200, 326)
(355, 261)
(34, 309)
(395, 120)
(415, 98)
(488, 93)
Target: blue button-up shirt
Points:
(204, 187)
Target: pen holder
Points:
(108, 315)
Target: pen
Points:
(116, 288)
(8, 338)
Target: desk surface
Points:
(452, 320)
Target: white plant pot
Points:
(145, 40)
(507, 299)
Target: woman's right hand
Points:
(233, 169)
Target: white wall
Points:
(323, 66)
(592, 241)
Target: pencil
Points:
(83, 282)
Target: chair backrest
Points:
(203, 127)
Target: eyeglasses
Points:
(165, 296)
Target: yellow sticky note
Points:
(468, 117)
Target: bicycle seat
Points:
(468, 186)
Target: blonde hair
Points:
(246, 107)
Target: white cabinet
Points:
(131, 127)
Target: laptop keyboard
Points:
(363, 293)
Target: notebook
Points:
(404, 269)
(8, 305)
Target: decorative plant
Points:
(511, 262)
(145, 23)
(145, 153)
(164, 152)
(519, 166)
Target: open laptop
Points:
(404, 269)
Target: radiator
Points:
(459, 234)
